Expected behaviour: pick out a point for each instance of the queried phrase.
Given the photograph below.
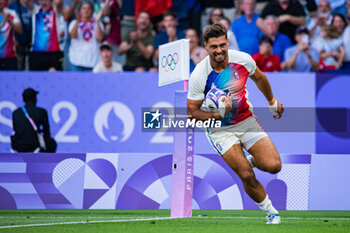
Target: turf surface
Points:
(155, 221)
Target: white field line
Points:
(158, 218)
(65, 217)
(84, 222)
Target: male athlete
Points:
(229, 70)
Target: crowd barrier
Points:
(143, 181)
(103, 112)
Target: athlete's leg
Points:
(235, 158)
(265, 155)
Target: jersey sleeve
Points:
(248, 62)
(197, 82)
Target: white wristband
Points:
(273, 108)
(222, 106)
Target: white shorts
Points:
(247, 132)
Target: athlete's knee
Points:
(275, 167)
(248, 177)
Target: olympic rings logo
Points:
(169, 62)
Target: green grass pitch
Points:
(155, 221)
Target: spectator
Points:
(231, 37)
(197, 52)
(24, 10)
(28, 122)
(46, 52)
(86, 34)
(246, 30)
(339, 22)
(290, 14)
(323, 17)
(338, 6)
(111, 9)
(215, 16)
(107, 64)
(265, 59)
(301, 57)
(169, 32)
(227, 8)
(330, 47)
(9, 23)
(344, 30)
(280, 41)
(138, 45)
(71, 8)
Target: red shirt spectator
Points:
(267, 63)
(265, 60)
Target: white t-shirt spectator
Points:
(84, 50)
(100, 67)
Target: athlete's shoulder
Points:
(202, 69)
(235, 55)
(243, 59)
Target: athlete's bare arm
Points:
(264, 86)
(195, 112)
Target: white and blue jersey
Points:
(232, 80)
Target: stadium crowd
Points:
(116, 35)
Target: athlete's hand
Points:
(276, 109)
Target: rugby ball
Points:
(213, 100)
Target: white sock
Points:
(267, 206)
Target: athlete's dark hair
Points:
(214, 31)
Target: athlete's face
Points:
(217, 48)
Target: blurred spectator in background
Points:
(9, 22)
(227, 8)
(231, 37)
(197, 52)
(348, 10)
(280, 41)
(107, 64)
(138, 45)
(215, 16)
(310, 9)
(86, 33)
(323, 17)
(28, 122)
(24, 10)
(111, 9)
(301, 57)
(338, 6)
(290, 14)
(330, 47)
(169, 32)
(340, 23)
(46, 53)
(246, 30)
(265, 59)
(71, 8)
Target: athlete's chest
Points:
(232, 79)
